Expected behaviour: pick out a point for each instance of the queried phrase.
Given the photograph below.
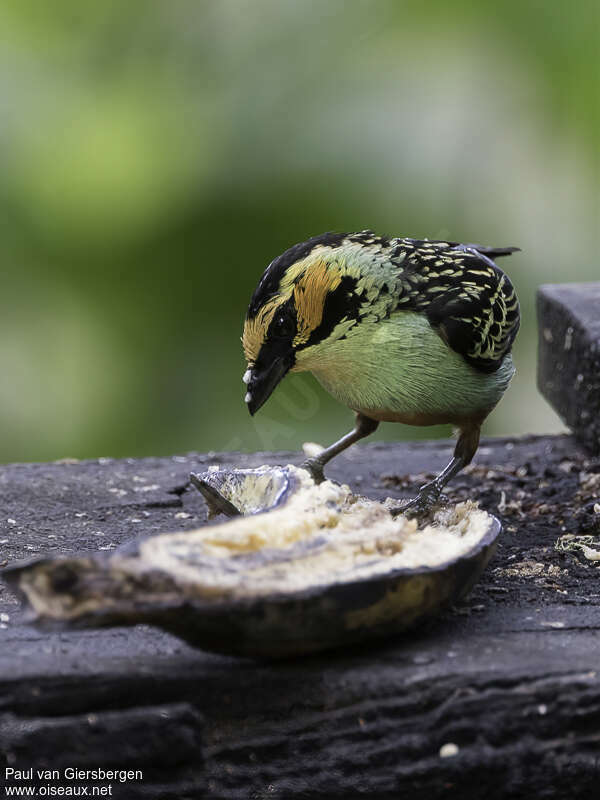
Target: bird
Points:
(415, 331)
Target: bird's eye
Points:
(283, 326)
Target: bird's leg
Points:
(429, 494)
(364, 426)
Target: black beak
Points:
(262, 382)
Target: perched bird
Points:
(399, 330)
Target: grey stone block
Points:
(569, 356)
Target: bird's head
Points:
(301, 298)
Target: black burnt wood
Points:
(569, 356)
(510, 677)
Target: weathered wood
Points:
(569, 356)
(509, 677)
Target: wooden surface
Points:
(507, 682)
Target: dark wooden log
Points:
(569, 356)
(499, 698)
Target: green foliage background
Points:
(155, 156)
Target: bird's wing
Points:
(467, 299)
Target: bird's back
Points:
(467, 299)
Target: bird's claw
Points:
(315, 468)
(429, 495)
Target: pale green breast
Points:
(400, 365)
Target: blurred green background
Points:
(155, 156)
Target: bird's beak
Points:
(261, 382)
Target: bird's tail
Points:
(494, 252)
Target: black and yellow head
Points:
(300, 298)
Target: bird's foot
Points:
(429, 496)
(315, 468)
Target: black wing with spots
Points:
(467, 299)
